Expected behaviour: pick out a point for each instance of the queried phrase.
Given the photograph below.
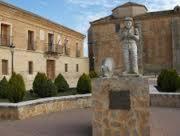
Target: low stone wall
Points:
(171, 100)
(23, 110)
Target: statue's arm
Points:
(136, 35)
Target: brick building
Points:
(30, 43)
(158, 48)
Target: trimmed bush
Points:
(161, 77)
(4, 88)
(49, 89)
(84, 84)
(43, 87)
(61, 83)
(17, 88)
(178, 84)
(93, 74)
(168, 81)
(39, 80)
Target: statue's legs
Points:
(134, 58)
(126, 59)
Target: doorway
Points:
(51, 69)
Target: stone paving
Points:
(164, 122)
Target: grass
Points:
(30, 96)
(71, 91)
(4, 100)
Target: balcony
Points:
(5, 40)
(53, 49)
(31, 45)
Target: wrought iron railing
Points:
(51, 48)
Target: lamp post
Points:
(12, 57)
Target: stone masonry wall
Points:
(43, 106)
(171, 100)
(156, 42)
(117, 122)
(23, 110)
(22, 57)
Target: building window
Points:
(31, 45)
(66, 48)
(5, 67)
(66, 67)
(59, 44)
(51, 42)
(77, 50)
(5, 35)
(30, 67)
(77, 67)
(117, 27)
(59, 39)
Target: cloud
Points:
(43, 3)
(92, 10)
(84, 18)
(87, 3)
(156, 5)
(104, 7)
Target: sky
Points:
(76, 14)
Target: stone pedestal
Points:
(121, 106)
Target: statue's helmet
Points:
(128, 19)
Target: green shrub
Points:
(16, 88)
(61, 83)
(43, 87)
(161, 77)
(39, 80)
(84, 84)
(93, 74)
(49, 89)
(168, 81)
(4, 88)
(178, 84)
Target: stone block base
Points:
(121, 122)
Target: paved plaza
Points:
(164, 122)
